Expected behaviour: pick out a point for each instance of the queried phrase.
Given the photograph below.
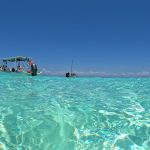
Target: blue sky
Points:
(104, 36)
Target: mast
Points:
(72, 66)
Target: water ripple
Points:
(53, 113)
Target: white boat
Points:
(19, 64)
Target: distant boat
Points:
(20, 65)
(71, 73)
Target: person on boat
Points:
(1, 69)
(19, 68)
(5, 68)
(13, 70)
(33, 70)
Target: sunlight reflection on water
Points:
(50, 113)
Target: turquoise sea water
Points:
(56, 113)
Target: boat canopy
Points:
(16, 59)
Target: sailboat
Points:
(71, 74)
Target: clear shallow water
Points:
(54, 113)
